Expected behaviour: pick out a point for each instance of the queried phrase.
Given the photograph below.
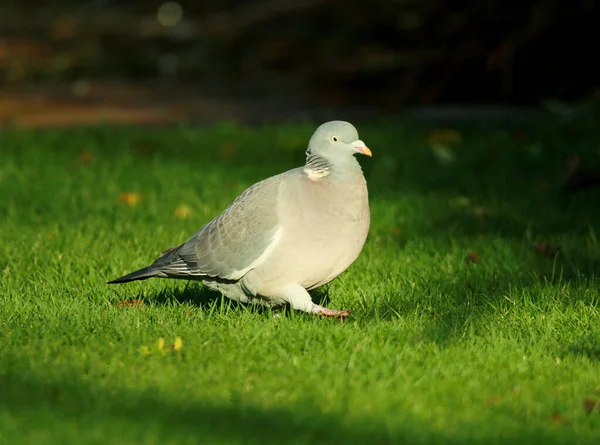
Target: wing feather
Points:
(234, 242)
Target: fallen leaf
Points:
(86, 157)
(131, 199)
(473, 257)
(441, 142)
(182, 211)
(481, 212)
(546, 249)
(492, 400)
(557, 419)
(228, 151)
(444, 136)
(130, 303)
(443, 153)
(145, 350)
(65, 28)
(589, 405)
(160, 344)
(178, 344)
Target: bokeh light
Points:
(169, 14)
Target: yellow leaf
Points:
(131, 199)
(178, 343)
(182, 211)
(161, 344)
(145, 350)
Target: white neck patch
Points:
(316, 174)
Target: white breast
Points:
(324, 227)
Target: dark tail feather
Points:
(142, 274)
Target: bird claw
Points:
(333, 312)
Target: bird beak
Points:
(360, 147)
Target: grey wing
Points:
(234, 242)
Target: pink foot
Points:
(332, 312)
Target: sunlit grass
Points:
(462, 331)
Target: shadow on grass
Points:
(71, 403)
(589, 347)
(196, 294)
(459, 307)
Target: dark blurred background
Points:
(167, 60)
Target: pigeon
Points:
(285, 235)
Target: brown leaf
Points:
(64, 28)
(492, 400)
(557, 419)
(473, 257)
(86, 157)
(129, 198)
(589, 405)
(396, 231)
(543, 248)
(444, 136)
(481, 212)
(228, 151)
(130, 303)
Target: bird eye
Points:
(334, 138)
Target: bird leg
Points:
(299, 299)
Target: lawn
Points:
(469, 326)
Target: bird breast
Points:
(324, 227)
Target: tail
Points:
(142, 274)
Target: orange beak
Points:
(360, 147)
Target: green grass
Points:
(438, 350)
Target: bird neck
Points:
(318, 167)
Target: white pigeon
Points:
(285, 235)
